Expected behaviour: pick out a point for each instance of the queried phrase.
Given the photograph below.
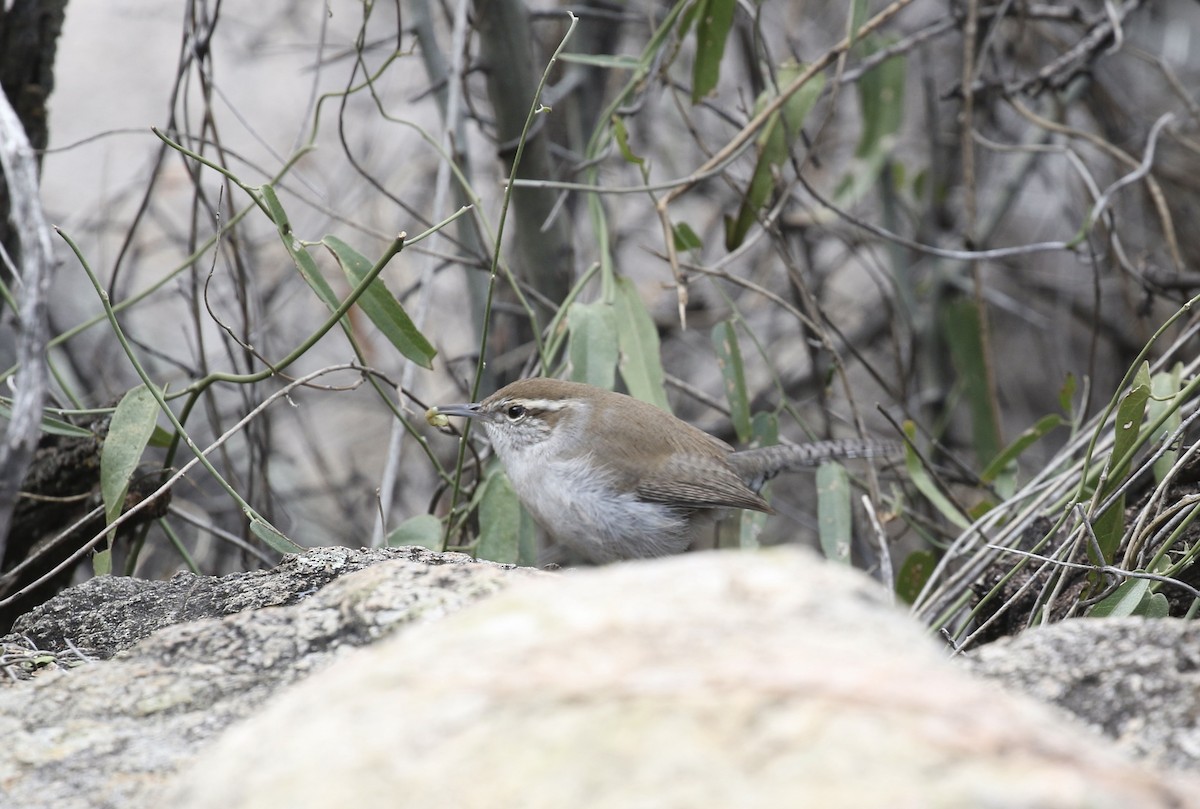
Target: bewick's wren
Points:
(611, 477)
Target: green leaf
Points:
(881, 98)
(424, 530)
(1154, 605)
(1110, 524)
(272, 536)
(50, 425)
(774, 146)
(161, 438)
(733, 374)
(764, 428)
(637, 337)
(55, 426)
(1014, 450)
(275, 207)
(528, 556)
(858, 15)
(881, 103)
(834, 521)
(925, 484)
(592, 347)
(129, 431)
(1123, 601)
(300, 257)
(622, 136)
(714, 18)
(102, 562)
(963, 329)
(919, 182)
(384, 310)
(913, 574)
(1142, 377)
(1164, 387)
(1066, 396)
(750, 525)
(501, 521)
(686, 238)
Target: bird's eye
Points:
(515, 412)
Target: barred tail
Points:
(757, 466)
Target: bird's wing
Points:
(681, 481)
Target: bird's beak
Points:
(470, 410)
(436, 415)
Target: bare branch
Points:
(33, 270)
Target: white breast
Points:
(578, 507)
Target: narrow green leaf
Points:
(858, 15)
(273, 537)
(278, 214)
(1014, 450)
(1123, 601)
(161, 438)
(963, 330)
(424, 530)
(1164, 388)
(685, 237)
(384, 310)
(622, 136)
(102, 562)
(1110, 524)
(733, 374)
(637, 337)
(920, 180)
(834, 522)
(689, 16)
(750, 525)
(50, 425)
(881, 99)
(300, 257)
(592, 346)
(714, 18)
(1142, 377)
(499, 521)
(774, 146)
(55, 426)
(764, 428)
(1066, 396)
(129, 430)
(913, 574)
(925, 484)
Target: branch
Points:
(19, 167)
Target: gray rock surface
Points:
(106, 734)
(731, 679)
(1135, 680)
(107, 614)
(734, 679)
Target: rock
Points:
(109, 613)
(1135, 680)
(720, 679)
(106, 734)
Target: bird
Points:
(611, 478)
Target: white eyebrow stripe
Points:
(541, 404)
